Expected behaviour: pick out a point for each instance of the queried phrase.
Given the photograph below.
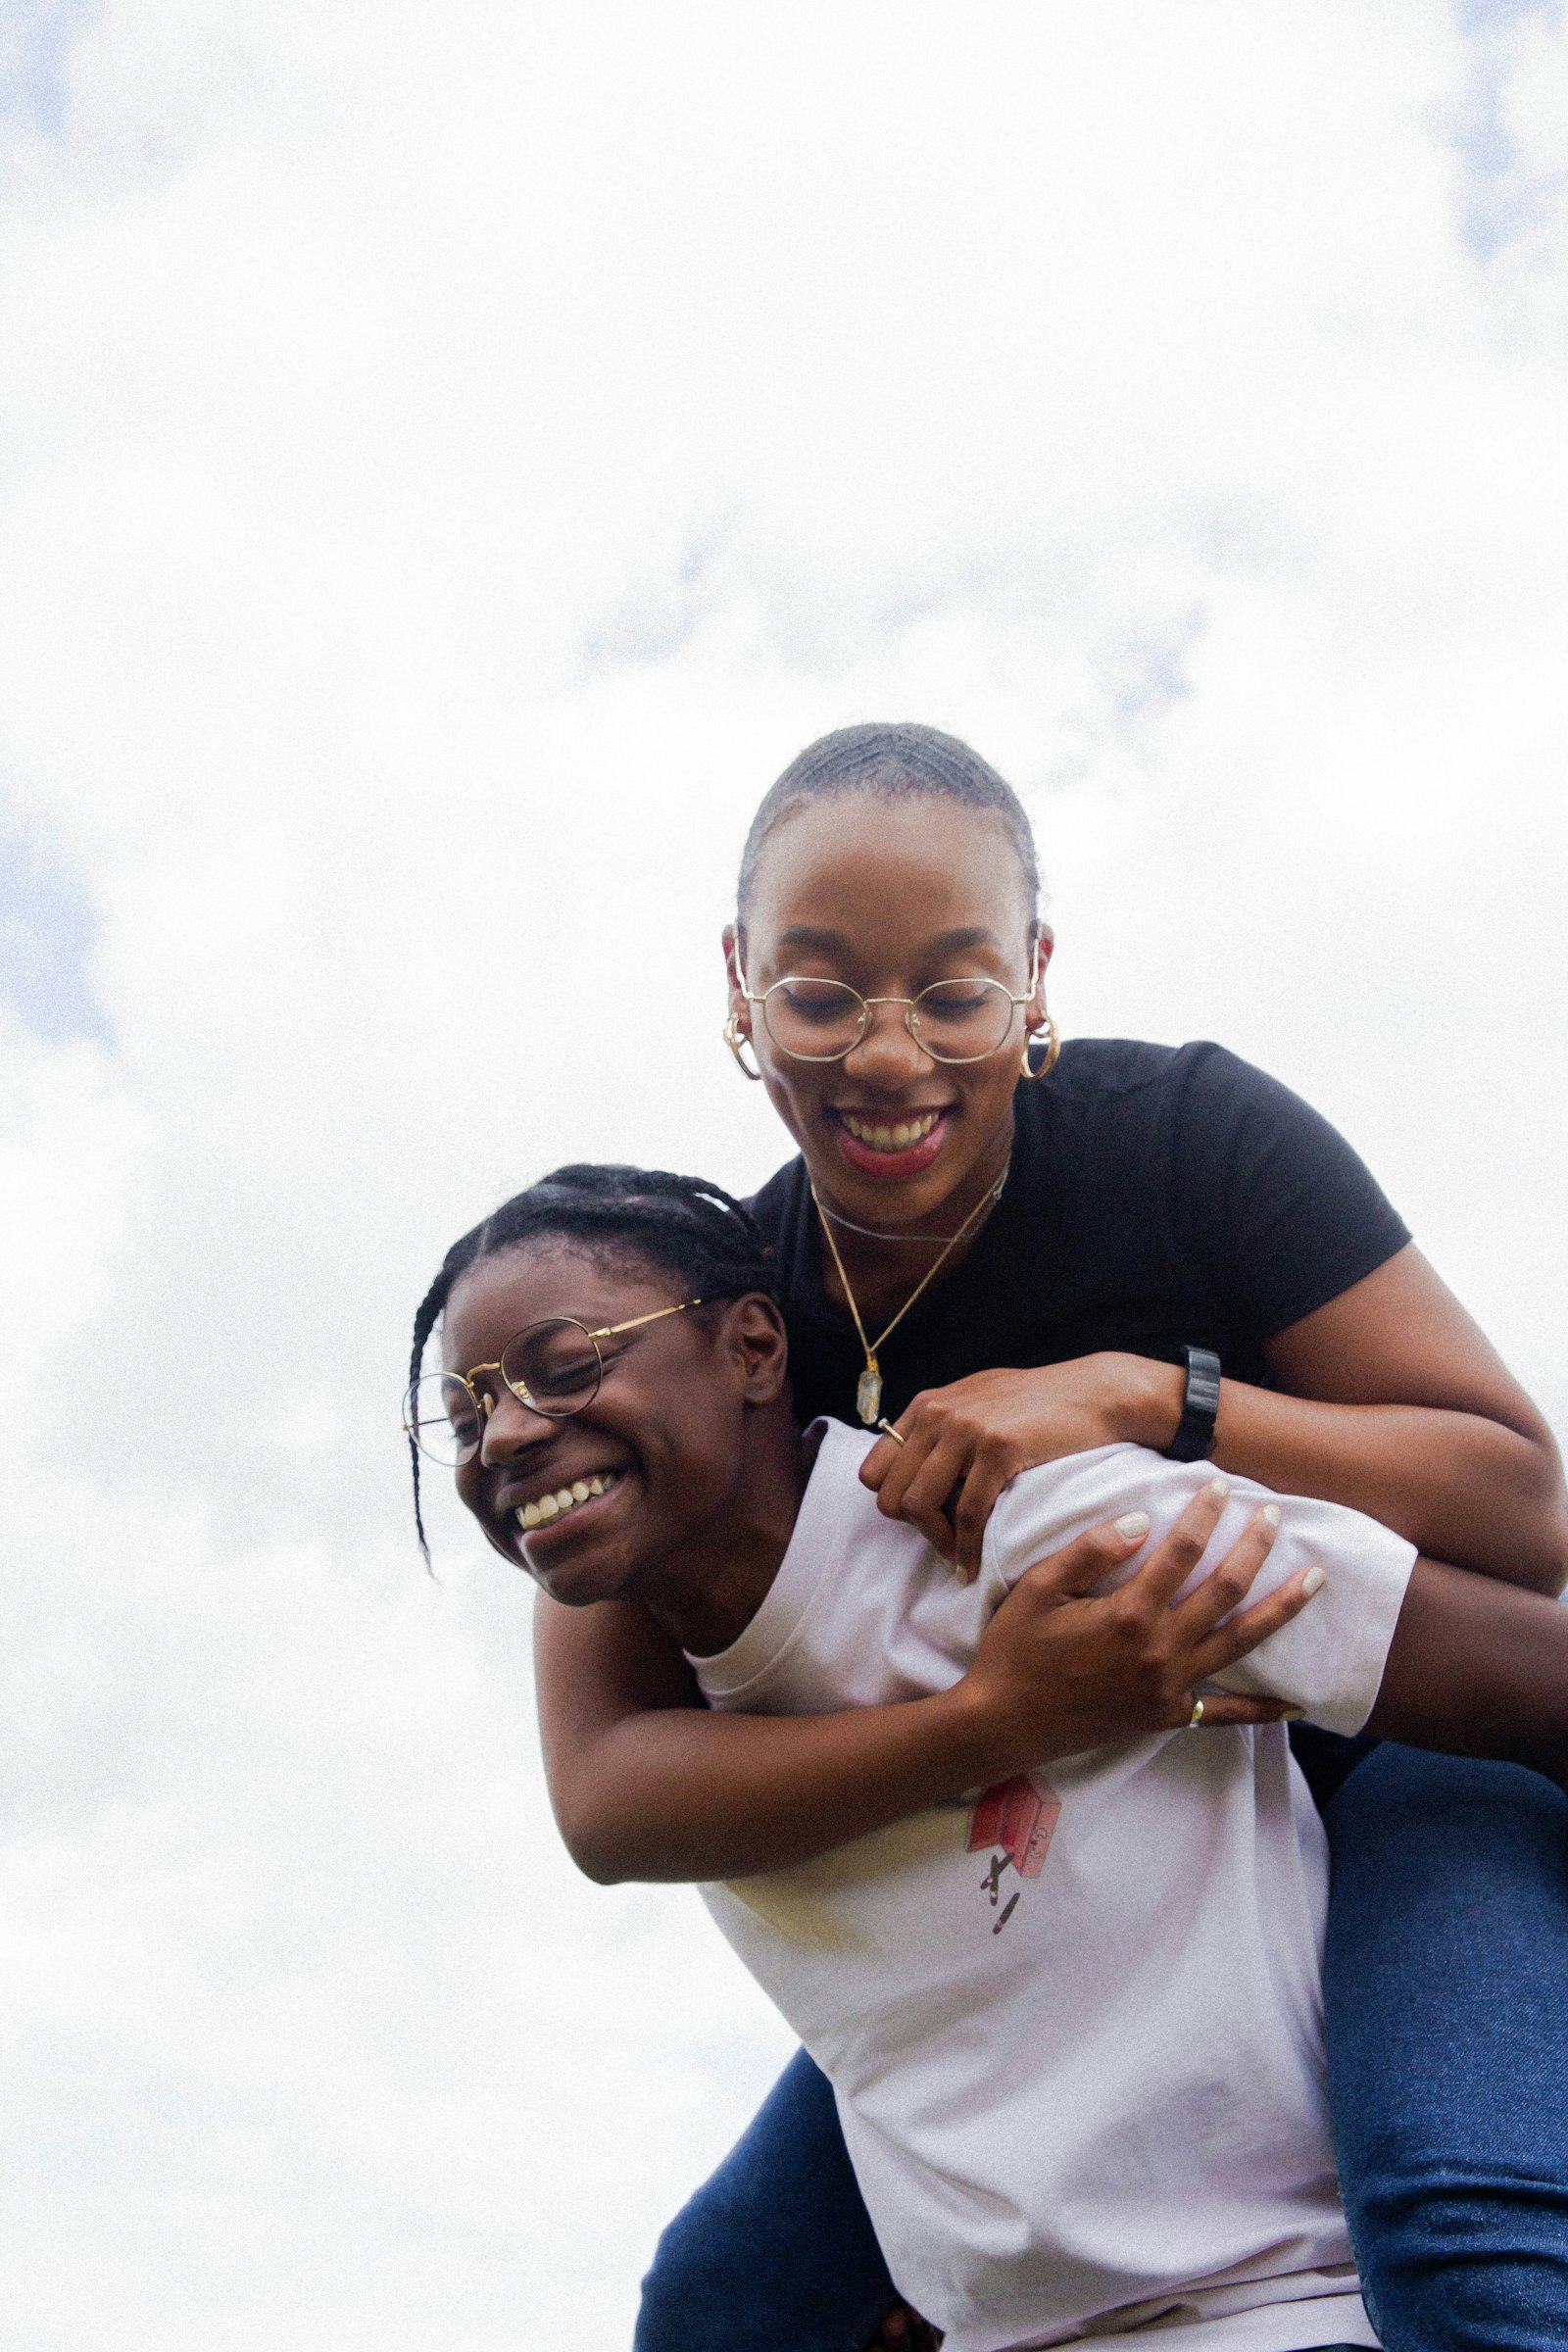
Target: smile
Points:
(882, 1138)
(550, 1507)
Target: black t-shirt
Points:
(1158, 1195)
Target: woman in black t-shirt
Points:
(1040, 1255)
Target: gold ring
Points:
(1195, 1717)
(888, 1431)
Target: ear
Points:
(734, 965)
(755, 1338)
(1042, 942)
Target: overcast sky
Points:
(451, 458)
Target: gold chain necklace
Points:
(868, 1391)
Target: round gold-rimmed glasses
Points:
(952, 1020)
(554, 1368)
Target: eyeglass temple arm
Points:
(610, 1330)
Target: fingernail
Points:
(1293, 1715)
(1219, 1488)
(1133, 1523)
(1313, 1580)
(1271, 1514)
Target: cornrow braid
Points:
(894, 763)
(681, 1224)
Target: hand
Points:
(964, 1442)
(1057, 1672)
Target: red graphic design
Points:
(1018, 1816)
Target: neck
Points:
(706, 1597)
(881, 1271)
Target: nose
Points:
(888, 1055)
(511, 1427)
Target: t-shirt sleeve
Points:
(1281, 1211)
(1327, 1660)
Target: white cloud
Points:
(455, 457)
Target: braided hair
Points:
(894, 763)
(682, 1224)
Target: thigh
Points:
(777, 2248)
(1446, 1996)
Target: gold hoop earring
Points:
(1053, 1036)
(735, 1037)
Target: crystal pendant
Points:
(868, 1395)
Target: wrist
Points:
(1152, 1399)
(974, 1742)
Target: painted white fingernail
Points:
(1219, 1486)
(1313, 1581)
(1271, 1514)
(1133, 1523)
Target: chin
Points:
(577, 1584)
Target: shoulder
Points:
(834, 1503)
(1094, 1068)
(1222, 1166)
(1049, 1504)
(1199, 1096)
(1127, 1069)
(1127, 1080)
(1116, 1102)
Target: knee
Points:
(687, 2279)
(1464, 2260)
(673, 2280)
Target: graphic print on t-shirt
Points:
(1016, 1817)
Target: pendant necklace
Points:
(868, 1392)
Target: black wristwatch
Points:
(1195, 1433)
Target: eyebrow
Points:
(944, 942)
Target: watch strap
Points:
(1194, 1441)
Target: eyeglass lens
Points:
(822, 1020)
(554, 1366)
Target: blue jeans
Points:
(1445, 1990)
(1446, 1998)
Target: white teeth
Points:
(897, 1138)
(548, 1507)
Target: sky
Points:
(450, 461)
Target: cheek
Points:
(468, 1489)
(793, 1102)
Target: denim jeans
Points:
(1445, 1990)
(1445, 1997)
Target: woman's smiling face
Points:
(652, 1472)
(890, 896)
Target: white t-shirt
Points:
(1075, 2023)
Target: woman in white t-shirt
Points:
(1072, 2018)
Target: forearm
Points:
(649, 1784)
(1476, 1669)
(1457, 1484)
(682, 1794)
